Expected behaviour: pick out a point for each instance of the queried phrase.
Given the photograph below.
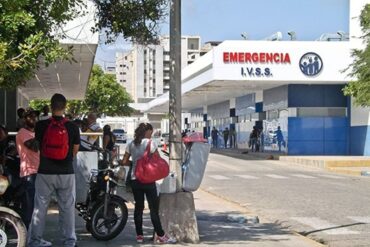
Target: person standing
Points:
(279, 138)
(20, 120)
(29, 163)
(136, 149)
(59, 142)
(214, 134)
(92, 126)
(253, 139)
(232, 137)
(45, 113)
(109, 140)
(226, 133)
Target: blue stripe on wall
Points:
(318, 136)
(360, 140)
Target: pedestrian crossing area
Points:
(346, 227)
(274, 176)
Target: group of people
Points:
(256, 140)
(47, 148)
(226, 135)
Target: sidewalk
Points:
(347, 165)
(216, 223)
(246, 154)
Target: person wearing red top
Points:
(29, 157)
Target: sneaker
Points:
(44, 243)
(165, 239)
(139, 239)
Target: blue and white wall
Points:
(359, 142)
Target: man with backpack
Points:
(59, 141)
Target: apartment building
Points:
(144, 71)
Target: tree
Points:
(104, 96)
(28, 38)
(75, 108)
(360, 68)
(135, 19)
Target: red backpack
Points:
(55, 144)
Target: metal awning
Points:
(70, 79)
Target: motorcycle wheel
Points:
(108, 228)
(13, 232)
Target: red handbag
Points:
(151, 167)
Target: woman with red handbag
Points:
(136, 149)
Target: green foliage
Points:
(26, 36)
(134, 19)
(38, 104)
(360, 68)
(104, 96)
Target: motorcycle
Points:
(104, 212)
(13, 232)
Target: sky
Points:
(219, 20)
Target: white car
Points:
(120, 135)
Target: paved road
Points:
(331, 208)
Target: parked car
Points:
(120, 135)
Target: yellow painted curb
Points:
(345, 171)
(309, 240)
(348, 163)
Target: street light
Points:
(292, 35)
(343, 36)
(244, 35)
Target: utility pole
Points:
(177, 210)
(175, 105)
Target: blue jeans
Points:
(28, 183)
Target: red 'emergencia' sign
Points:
(256, 57)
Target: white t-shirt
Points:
(94, 127)
(137, 151)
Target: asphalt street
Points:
(330, 208)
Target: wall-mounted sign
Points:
(311, 64)
(256, 58)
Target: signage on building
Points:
(262, 59)
(311, 64)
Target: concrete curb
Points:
(309, 240)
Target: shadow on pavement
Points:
(246, 154)
(218, 230)
(214, 229)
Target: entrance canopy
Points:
(68, 78)
(236, 68)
